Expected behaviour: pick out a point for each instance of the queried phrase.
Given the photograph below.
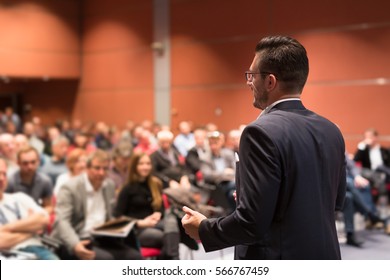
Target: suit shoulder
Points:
(109, 183)
(73, 182)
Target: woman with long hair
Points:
(141, 198)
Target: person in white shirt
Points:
(373, 157)
(21, 221)
(83, 203)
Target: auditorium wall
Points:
(110, 59)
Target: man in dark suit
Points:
(370, 153)
(291, 169)
(375, 161)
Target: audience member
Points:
(145, 144)
(33, 140)
(185, 140)
(198, 152)
(211, 127)
(233, 140)
(374, 158)
(76, 163)
(53, 133)
(141, 199)
(136, 133)
(21, 142)
(218, 169)
(55, 165)
(126, 132)
(120, 164)
(83, 203)
(21, 221)
(81, 141)
(358, 198)
(28, 180)
(168, 164)
(39, 129)
(8, 152)
(65, 129)
(10, 116)
(102, 137)
(11, 128)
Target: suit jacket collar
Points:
(289, 105)
(83, 195)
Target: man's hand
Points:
(191, 222)
(83, 253)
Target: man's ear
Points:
(271, 82)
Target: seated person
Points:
(375, 160)
(81, 140)
(21, 221)
(141, 199)
(8, 152)
(218, 168)
(120, 164)
(358, 198)
(145, 144)
(54, 165)
(83, 203)
(76, 163)
(195, 154)
(168, 163)
(185, 140)
(28, 180)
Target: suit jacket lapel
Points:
(107, 202)
(82, 194)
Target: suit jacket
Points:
(290, 180)
(209, 170)
(165, 171)
(363, 156)
(71, 209)
(192, 160)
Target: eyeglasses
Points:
(27, 162)
(98, 168)
(249, 75)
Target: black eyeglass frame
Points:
(247, 73)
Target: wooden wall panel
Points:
(309, 16)
(40, 38)
(117, 71)
(348, 55)
(114, 106)
(217, 19)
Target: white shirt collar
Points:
(269, 107)
(88, 185)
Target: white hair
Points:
(164, 135)
(6, 137)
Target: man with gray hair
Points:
(168, 163)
